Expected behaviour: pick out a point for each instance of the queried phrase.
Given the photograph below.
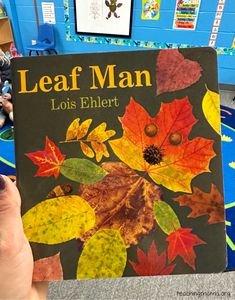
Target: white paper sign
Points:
(48, 12)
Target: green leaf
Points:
(82, 171)
(104, 256)
(58, 220)
(166, 217)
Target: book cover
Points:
(118, 161)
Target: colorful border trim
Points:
(129, 42)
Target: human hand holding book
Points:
(16, 260)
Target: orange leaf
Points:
(174, 72)
(160, 145)
(151, 264)
(48, 269)
(181, 242)
(49, 160)
(202, 203)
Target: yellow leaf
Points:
(83, 129)
(58, 220)
(104, 256)
(100, 150)
(99, 134)
(77, 131)
(211, 109)
(87, 150)
(72, 130)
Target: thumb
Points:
(11, 229)
(16, 261)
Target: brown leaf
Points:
(201, 203)
(60, 190)
(174, 72)
(122, 200)
(48, 269)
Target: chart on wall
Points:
(110, 17)
(186, 14)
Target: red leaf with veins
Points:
(174, 72)
(181, 243)
(151, 264)
(49, 160)
(48, 269)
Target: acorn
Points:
(175, 138)
(151, 130)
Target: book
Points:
(118, 159)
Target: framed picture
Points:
(104, 17)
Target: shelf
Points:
(6, 42)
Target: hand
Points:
(7, 96)
(16, 260)
(7, 106)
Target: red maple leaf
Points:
(151, 264)
(174, 72)
(181, 242)
(49, 160)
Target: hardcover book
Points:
(118, 161)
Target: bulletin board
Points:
(212, 26)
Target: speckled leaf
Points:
(104, 256)
(166, 217)
(76, 130)
(58, 220)
(72, 130)
(82, 171)
(87, 150)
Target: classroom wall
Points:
(24, 25)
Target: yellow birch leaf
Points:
(104, 256)
(72, 130)
(87, 150)
(58, 220)
(99, 134)
(211, 109)
(83, 128)
(100, 150)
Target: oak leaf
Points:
(151, 264)
(202, 203)
(174, 72)
(182, 243)
(49, 160)
(122, 200)
(160, 145)
(48, 269)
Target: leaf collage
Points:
(117, 203)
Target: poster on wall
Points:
(186, 14)
(48, 12)
(110, 17)
(150, 9)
